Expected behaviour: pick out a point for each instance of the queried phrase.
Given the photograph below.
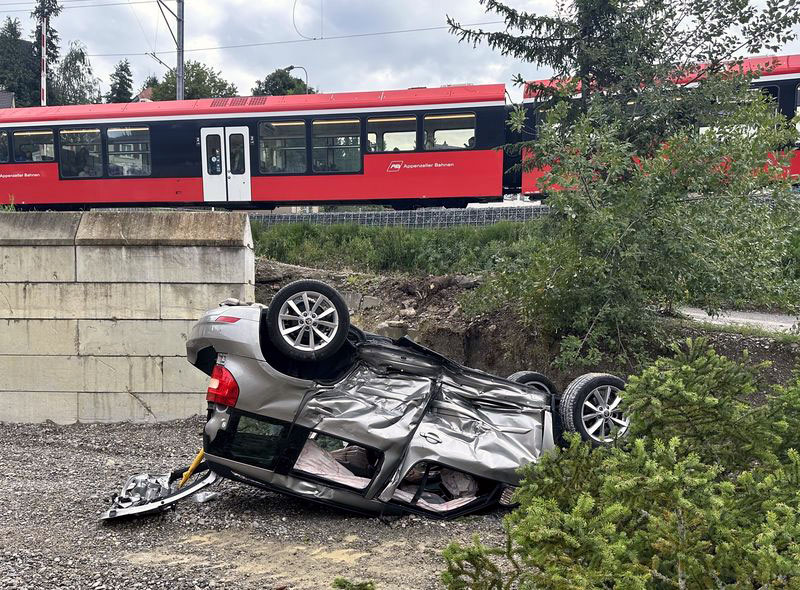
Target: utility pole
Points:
(43, 65)
(180, 74)
(177, 36)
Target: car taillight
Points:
(222, 389)
(227, 319)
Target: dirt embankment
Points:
(428, 310)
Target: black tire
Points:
(575, 413)
(534, 378)
(311, 330)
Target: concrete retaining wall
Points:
(95, 309)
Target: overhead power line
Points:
(304, 40)
(84, 6)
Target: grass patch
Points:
(394, 249)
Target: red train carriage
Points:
(403, 148)
(782, 83)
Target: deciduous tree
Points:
(75, 82)
(202, 81)
(280, 83)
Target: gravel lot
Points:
(56, 480)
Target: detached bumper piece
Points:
(149, 494)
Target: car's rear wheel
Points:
(308, 320)
(534, 378)
(590, 406)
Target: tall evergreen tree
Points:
(634, 55)
(18, 68)
(121, 83)
(49, 9)
(645, 214)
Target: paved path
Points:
(773, 322)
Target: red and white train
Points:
(403, 148)
(781, 83)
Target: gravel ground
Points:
(56, 480)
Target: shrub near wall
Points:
(396, 249)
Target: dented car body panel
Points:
(383, 426)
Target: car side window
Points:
(334, 459)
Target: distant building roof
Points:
(6, 99)
(145, 95)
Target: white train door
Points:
(226, 163)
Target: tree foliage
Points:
(280, 83)
(665, 177)
(202, 81)
(19, 71)
(49, 9)
(121, 83)
(660, 511)
(75, 82)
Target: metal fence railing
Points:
(420, 218)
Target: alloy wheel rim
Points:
(308, 321)
(601, 414)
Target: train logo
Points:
(395, 166)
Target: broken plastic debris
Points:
(203, 497)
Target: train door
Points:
(226, 163)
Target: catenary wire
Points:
(85, 6)
(294, 41)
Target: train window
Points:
(3, 146)
(337, 145)
(236, 153)
(34, 146)
(214, 154)
(81, 153)
(392, 134)
(129, 151)
(282, 147)
(450, 132)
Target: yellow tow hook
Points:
(188, 473)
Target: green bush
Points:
(703, 494)
(395, 249)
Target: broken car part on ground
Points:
(301, 402)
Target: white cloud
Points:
(424, 58)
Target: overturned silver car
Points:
(303, 403)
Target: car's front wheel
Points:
(591, 407)
(308, 320)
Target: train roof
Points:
(462, 96)
(781, 67)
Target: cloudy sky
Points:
(425, 58)
(131, 28)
